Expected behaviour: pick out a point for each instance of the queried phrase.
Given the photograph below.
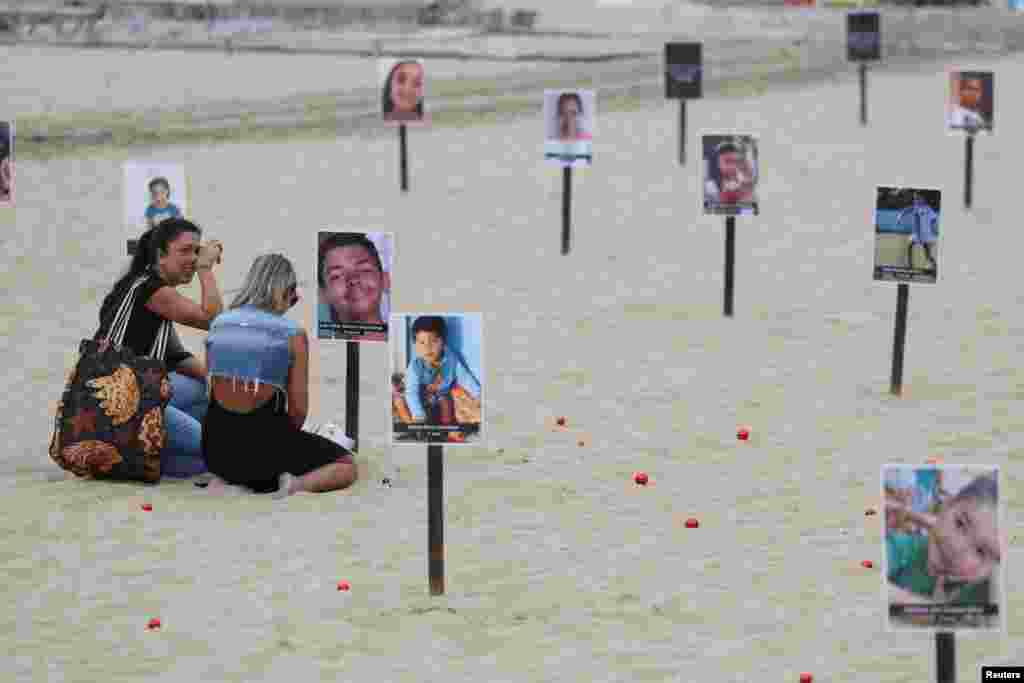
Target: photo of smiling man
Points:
(354, 278)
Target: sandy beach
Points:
(559, 567)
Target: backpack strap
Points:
(119, 327)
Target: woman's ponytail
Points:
(143, 257)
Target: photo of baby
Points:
(153, 192)
(403, 88)
(354, 278)
(569, 127)
(943, 548)
(436, 374)
(6, 163)
(730, 175)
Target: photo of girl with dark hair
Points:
(402, 91)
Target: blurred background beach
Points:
(558, 566)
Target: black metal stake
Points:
(945, 657)
(730, 258)
(566, 207)
(900, 339)
(968, 169)
(352, 394)
(403, 157)
(682, 132)
(863, 94)
(435, 518)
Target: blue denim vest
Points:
(251, 345)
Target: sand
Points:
(558, 567)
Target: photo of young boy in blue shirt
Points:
(955, 557)
(437, 382)
(160, 207)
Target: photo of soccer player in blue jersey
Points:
(906, 218)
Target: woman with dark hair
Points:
(169, 256)
(6, 171)
(402, 97)
(259, 388)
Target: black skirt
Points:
(255, 449)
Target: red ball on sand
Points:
(561, 421)
(867, 564)
(806, 678)
(692, 523)
(147, 507)
(153, 623)
(743, 434)
(640, 478)
(343, 585)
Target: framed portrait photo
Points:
(907, 223)
(944, 548)
(403, 91)
(730, 175)
(354, 271)
(569, 117)
(437, 378)
(153, 191)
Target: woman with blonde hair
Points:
(259, 382)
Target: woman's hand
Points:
(209, 254)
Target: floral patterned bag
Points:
(110, 419)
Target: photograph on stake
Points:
(6, 164)
(863, 36)
(354, 285)
(402, 91)
(943, 547)
(683, 71)
(153, 191)
(907, 234)
(971, 103)
(730, 175)
(569, 127)
(436, 378)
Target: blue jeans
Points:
(183, 456)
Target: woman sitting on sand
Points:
(168, 257)
(259, 382)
